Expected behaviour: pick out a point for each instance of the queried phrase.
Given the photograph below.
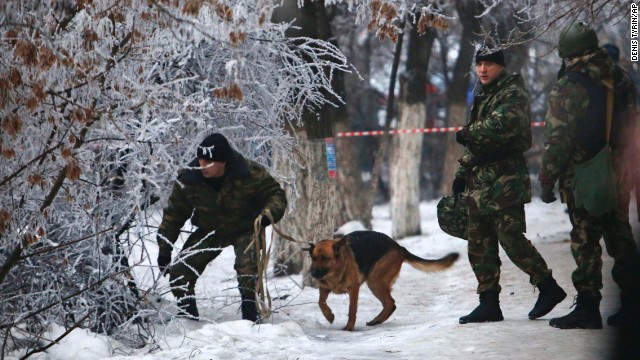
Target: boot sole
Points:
(595, 327)
(481, 321)
(587, 326)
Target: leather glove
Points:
(163, 262)
(264, 222)
(460, 137)
(547, 195)
(458, 186)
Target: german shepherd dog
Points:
(342, 265)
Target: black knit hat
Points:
(215, 147)
(488, 54)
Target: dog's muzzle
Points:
(318, 273)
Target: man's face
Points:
(211, 169)
(487, 71)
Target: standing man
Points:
(623, 134)
(494, 181)
(574, 133)
(222, 193)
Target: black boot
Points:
(551, 294)
(488, 310)
(586, 315)
(249, 310)
(187, 308)
(629, 314)
(248, 307)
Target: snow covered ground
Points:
(424, 326)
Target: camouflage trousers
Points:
(505, 227)
(199, 250)
(586, 232)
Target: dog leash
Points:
(263, 254)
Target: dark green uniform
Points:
(498, 183)
(568, 103)
(223, 213)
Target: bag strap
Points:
(609, 86)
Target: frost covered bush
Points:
(100, 103)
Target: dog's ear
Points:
(338, 245)
(310, 248)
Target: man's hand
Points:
(265, 221)
(458, 186)
(461, 137)
(163, 262)
(547, 195)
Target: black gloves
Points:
(264, 221)
(547, 195)
(163, 262)
(460, 138)
(458, 186)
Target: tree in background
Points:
(528, 30)
(314, 207)
(458, 85)
(404, 168)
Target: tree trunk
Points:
(353, 205)
(453, 152)
(405, 173)
(407, 149)
(458, 87)
(314, 217)
(311, 220)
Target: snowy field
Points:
(424, 326)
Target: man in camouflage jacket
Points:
(222, 193)
(570, 104)
(624, 135)
(494, 181)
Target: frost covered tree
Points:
(516, 26)
(101, 102)
(312, 19)
(406, 149)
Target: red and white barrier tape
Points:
(410, 131)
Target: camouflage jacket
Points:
(246, 191)
(568, 102)
(498, 133)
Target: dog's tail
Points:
(430, 265)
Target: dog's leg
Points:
(354, 292)
(322, 302)
(381, 280)
(383, 293)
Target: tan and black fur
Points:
(341, 266)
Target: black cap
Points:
(488, 54)
(215, 147)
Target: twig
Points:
(54, 342)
